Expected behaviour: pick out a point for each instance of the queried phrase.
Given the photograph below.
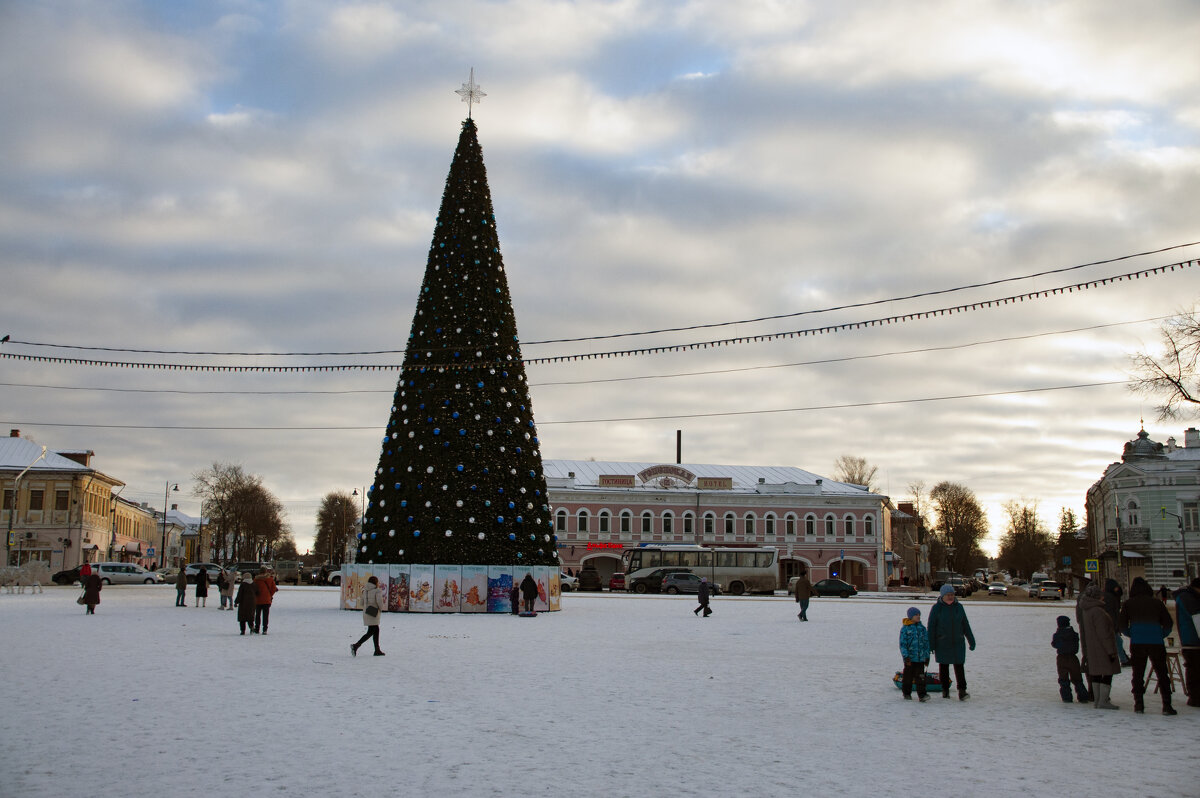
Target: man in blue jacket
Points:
(1187, 615)
(1145, 621)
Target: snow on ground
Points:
(618, 695)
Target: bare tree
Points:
(961, 525)
(1172, 377)
(337, 521)
(245, 518)
(1026, 544)
(855, 470)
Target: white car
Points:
(567, 583)
(125, 573)
(997, 589)
(1049, 590)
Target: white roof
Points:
(17, 453)
(745, 478)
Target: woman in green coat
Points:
(949, 635)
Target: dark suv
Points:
(685, 582)
(589, 579)
(652, 582)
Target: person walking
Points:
(948, 629)
(514, 599)
(804, 592)
(529, 592)
(914, 650)
(1146, 622)
(201, 587)
(372, 604)
(226, 585)
(1187, 616)
(1112, 604)
(1099, 639)
(91, 592)
(247, 598)
(1066, 642)
(181, 587)
(702, 597)
(265, 585)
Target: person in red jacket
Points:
(265, 587)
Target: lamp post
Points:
(162, 554)
(1187, 571)
(12, 508)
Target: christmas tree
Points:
(460, 476)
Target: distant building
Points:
(1137, 511)
(65, 512)
(831, 528)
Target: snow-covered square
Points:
(617, 695)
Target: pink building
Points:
(831, 528)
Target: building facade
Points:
(829, 528)
(64, 512)
(1143, 515)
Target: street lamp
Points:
(1187, 571)
(162, 554)
(12, 508)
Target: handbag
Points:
(372, 611)
(80, 599)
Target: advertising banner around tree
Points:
(500, 582)
(519, 572)
(555, 590)
(420, 588)
(474, 587)
(398, 588)
(350, 588)
(542, 574)
(446, 587)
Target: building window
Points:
(848, 527)
(769, 522)
(729, 521)
(560, 521)
(830, 523)
(710, 522)
(668, 527)
(8, 499)
(62, 500)
(869, 526)
(581, 521)
(1132, 518)
(647, 522)
(748, 525)
(810, 525)
(689, 525)
(602, 523)
(789, 526)
(1191, 516)
(626, 522)
(36, 497)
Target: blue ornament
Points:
(512, 536)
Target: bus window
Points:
(764, 559)
(689, 559)
(635, 561)
(726, 559)
(704, 559)
(651, 559)
(745, 559)
(670, 558)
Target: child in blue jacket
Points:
(914, 648)
(1066, 643)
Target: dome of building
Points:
(1143, 449)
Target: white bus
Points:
(737, 571)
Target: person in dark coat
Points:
(91, 592)
(804, 592)
(1099, 639)
(1066, 642)
(247, 598)
(181, 587)
(1146, 622)
(529, 591)
(948, 629)
(201, 587)
(1112, 605)
(702, 597)
(514, 598)
(1187, 613)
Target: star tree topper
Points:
(470, 92)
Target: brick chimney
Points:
(14, 433)
(1191, 437)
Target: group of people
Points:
(249, 594)
(947, 638)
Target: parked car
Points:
(125, 573)
(652, 582)
(589, 579)
(997, 589)
(67, 577)
(617, 581)
(193, 569)
(567, 583)
(1049, 590)
(252, 568)
(961, 588)
(287, 571)
(835, 587)
(686, 582)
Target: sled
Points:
(529, 614)
(933, 682)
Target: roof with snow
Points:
(745, 479)
(17, 453)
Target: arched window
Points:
(869, 525)
(560, 521)
(581, 521)
(626, 522)
(710, 522)
(810, 525)
(769, 523)
(689, 525)
(748, 524)
(603, 522)
(668, 525)
(830, 523)
(730, 518)
(1132, 516)
(848, 527)
(647, 522)
(789, 526)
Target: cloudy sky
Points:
(262, 177)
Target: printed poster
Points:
(474, 588)
(555, 591)
(398, 588)
(500, 582)
(383, 573)
(352, 582)
(420, 588)
(542, 574)
(446, 588)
